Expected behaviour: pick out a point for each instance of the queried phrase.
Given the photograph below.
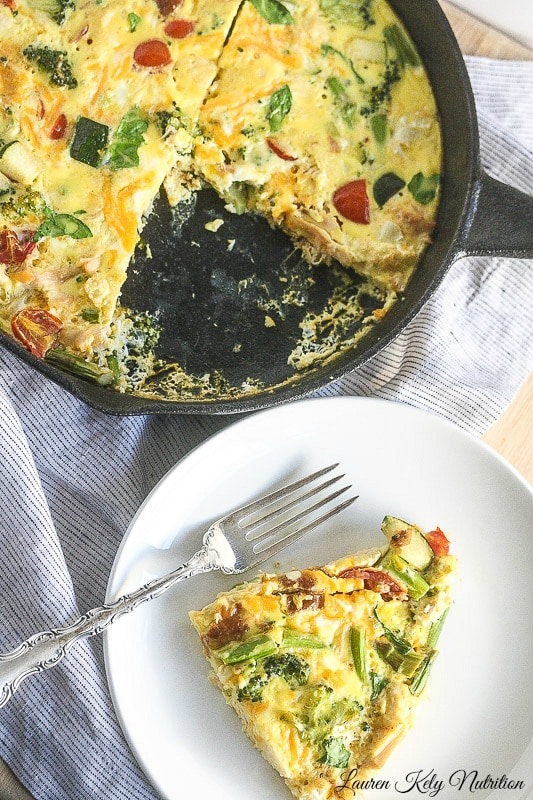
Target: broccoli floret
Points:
(294, 670)
(19, 206)
(54, 62)
(172, 119)
(253, 690)
(321, 713)
(359, 13)
(163, 120)
(334, 752)
(56, 9)
(314, 717)
(365, 13)
(380, 94)
(288, 666)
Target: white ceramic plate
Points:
(478, 715)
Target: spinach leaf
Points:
(279, 106)
(123, 150)
(133, 21)
(61, 225)
(386, 187)
(273, 11)
(326, 49)
(424, 187)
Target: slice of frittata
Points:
(320, 123)
(324, 666)
(98, 108)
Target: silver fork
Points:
(240, 540)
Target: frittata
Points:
(325, 666)
(317, 115)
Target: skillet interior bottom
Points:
(237, 307)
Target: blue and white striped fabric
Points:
(71, 478)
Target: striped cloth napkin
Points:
(71, 478)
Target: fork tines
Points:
(292, 511)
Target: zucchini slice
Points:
(407, 541)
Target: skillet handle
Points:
(502, 222)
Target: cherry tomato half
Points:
(351, 201)
(15, 247)
(179, 28)
(152, 53)
(36, 329)
(438, 542)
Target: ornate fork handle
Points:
(44, 650)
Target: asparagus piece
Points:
(257, 647)
(413, 581)
(78, 366)
(435, 630)
(422, 674)
(358, 647)
(404, 664)
(301, 641)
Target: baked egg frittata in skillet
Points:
(316, 115)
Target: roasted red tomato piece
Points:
(152, 53)
(15, 246)
(59, 127)
(351, 201)
(376, 580)
(179, 28)
(274, 146)
(438, 542)
(36, 329)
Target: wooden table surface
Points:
(512, 435)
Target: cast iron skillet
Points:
(195, 288)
